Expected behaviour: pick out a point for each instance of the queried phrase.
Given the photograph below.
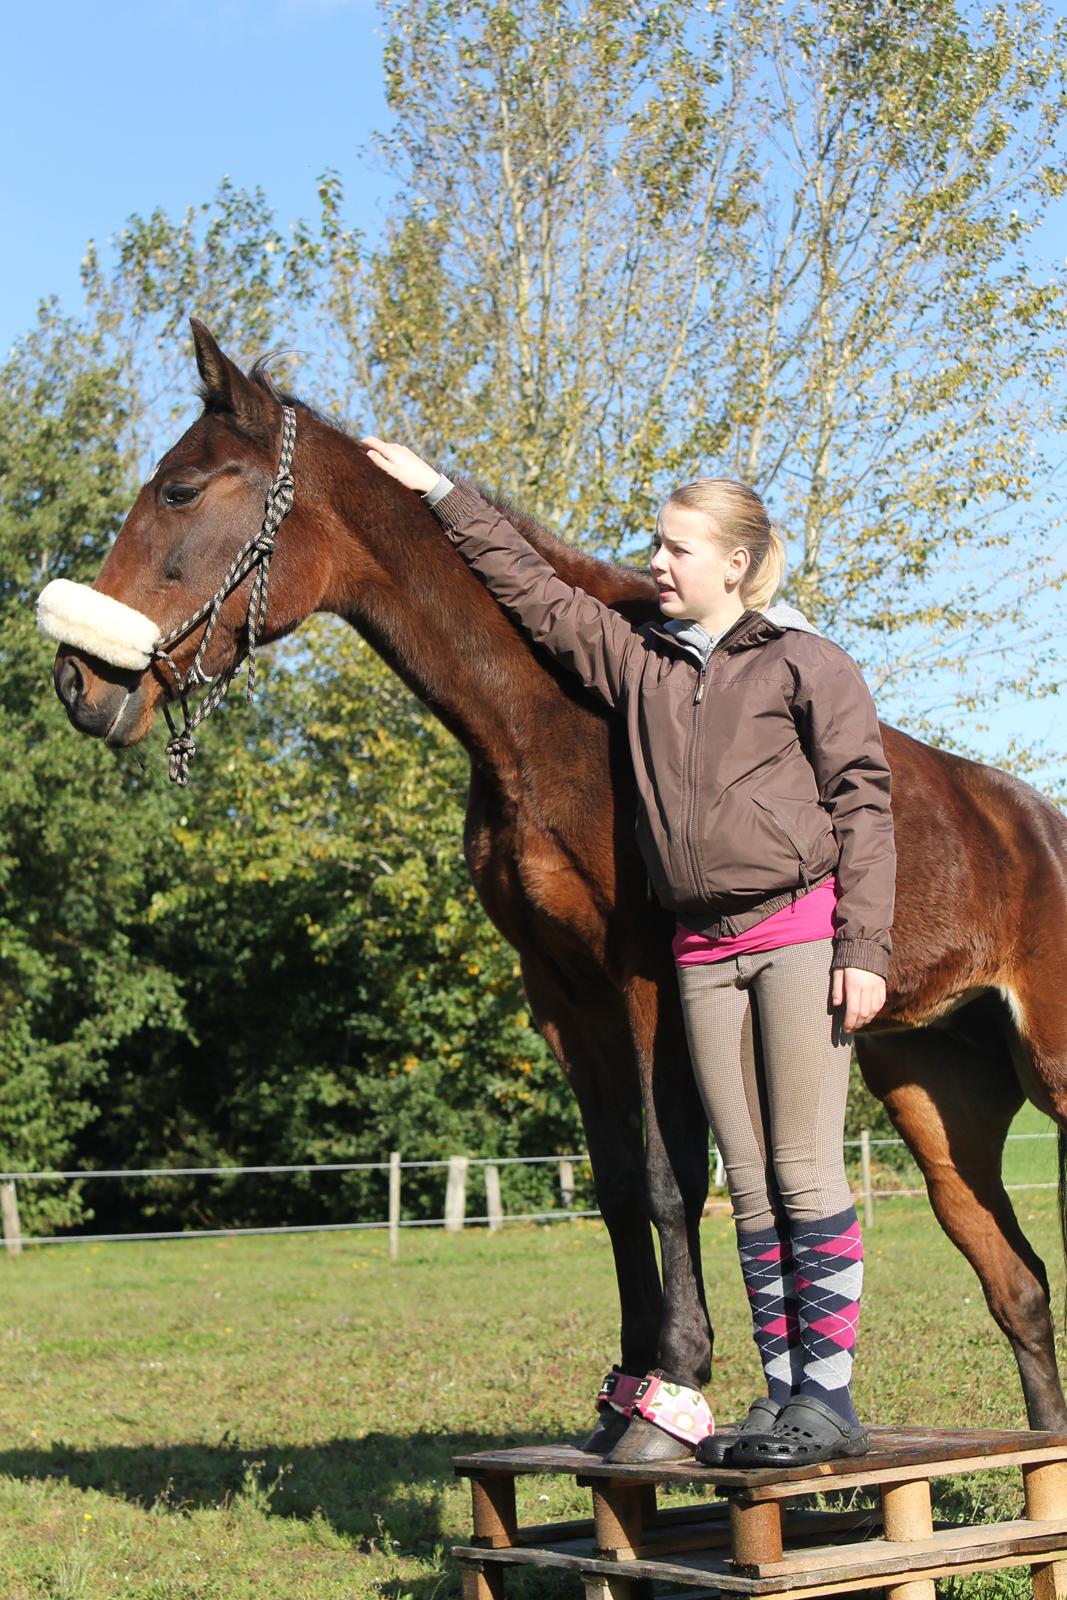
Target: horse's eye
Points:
(179, 494)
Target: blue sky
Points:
(119, 107)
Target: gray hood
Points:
(701, 643)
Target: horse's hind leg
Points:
(952, 1092)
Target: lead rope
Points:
(252, 557)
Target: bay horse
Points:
(976, 1012)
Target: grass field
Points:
(275, 1418)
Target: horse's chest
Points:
(526, 880)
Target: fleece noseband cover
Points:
(74, 614)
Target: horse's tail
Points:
(1061, 1152)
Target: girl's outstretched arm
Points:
(589, 638)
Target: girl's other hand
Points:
(401, 463)
(862, 993)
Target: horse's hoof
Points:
(643, 1442)
(605, 1436)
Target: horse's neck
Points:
(398, 580)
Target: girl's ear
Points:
(740, 561)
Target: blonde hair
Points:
(737, 516)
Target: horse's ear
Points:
(226, 387)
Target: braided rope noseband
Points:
(252, 557)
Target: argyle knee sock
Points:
(767, 1268)
(828, 1274)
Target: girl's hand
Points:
(863, 995)
(401, 463)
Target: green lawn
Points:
(275, 1417)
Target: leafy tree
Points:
(795, 244)
(345, 994)
(76, 828)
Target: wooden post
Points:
(865, 1166)
(495, 1517)
(394, 1204)
(1045, 1493)
(755, 1532)
(9, 1218)
(456, 1194)
(618, 1519)
(566, 1184)
(494, 1209)
(908, 1515)
(482, 1582)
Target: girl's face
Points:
(694, 578)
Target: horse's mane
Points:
(628, 589)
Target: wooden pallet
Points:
(755, 1540)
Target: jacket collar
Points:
(751, 628)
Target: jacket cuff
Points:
(862, 953)
(458, 504)
(438, 490)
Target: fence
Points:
(455, 1215)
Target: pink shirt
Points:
(810, 917)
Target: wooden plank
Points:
(703, 1527)
(895, 1455)
(847, 1573)
(873, 1478)
(887, 1556)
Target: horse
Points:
(975, 1018)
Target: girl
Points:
(765, 826)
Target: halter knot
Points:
(181, 749)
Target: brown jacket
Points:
(760, 773)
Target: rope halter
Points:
(253, 557)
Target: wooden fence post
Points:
(9, 1218)
(456, 1194)
(394, 1204)
(494, 1210)
(865, 1168)
(566, 1184)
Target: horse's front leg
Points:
(676, 1138)
(592, 1042)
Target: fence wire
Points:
(394, 1222)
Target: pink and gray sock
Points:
(804, 1288)
(767, 1268)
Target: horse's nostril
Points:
(70, 684)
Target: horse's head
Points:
(203, 503)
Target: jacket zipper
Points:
(694, 861)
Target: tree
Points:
(344, 992)
(76, 829)
(795, 244)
